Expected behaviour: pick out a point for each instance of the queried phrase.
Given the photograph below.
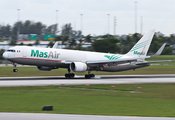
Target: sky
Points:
(97, 15)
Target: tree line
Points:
(73, 39)
(111, 44)
(26, 28)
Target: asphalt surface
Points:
(58, 80)
(80, 80)
(41, 116)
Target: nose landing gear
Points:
(15, 69)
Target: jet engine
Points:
(78, 67)
(45, 68)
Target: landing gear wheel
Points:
(15, 70)
(69, 75)
(72, 75)
(66, 75)
(92, 75)
(88, 76)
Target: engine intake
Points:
(44, 68)
(78, 67)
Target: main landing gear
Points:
(15, 69)
(69, 75)
(88, 76)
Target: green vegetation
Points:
(154, 100)
(106, 45)
(1, 52)
(26, 27)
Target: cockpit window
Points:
(10, 50)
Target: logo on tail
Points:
(113, 57)
(139, 45)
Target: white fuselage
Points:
(55, 55)
(56, 58)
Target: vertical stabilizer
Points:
(140, 49)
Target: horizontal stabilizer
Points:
(144, 63)
(162, 61)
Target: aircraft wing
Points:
(119, 61)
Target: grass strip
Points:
(154, 100)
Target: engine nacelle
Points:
(44, 68)
(78, 67)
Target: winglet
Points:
(159, 51)
(55, 45)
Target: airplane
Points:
(80, 61)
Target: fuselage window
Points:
(10, 50)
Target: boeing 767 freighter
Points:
(81, 61)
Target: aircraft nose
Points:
(4, 55)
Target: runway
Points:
(41, 116)
(58, 80)
(80, 80)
